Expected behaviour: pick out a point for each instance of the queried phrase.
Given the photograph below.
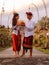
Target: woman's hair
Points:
(14, 20)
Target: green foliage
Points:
(42, 27)
(42, 41)
(5, 37)
(35, 41)
(43, 50)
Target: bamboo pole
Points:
(46, 20)
(36, 9)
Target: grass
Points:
(1, 48)
(43, 50)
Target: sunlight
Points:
(9, 5)
(37, 2)
(21, 4)
(18, 5)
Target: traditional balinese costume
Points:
(28, 37)
(16, 38)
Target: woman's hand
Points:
(18, 23)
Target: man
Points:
(28, 37)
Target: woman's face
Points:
(17, 17)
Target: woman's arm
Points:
(14, 27)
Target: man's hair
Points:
(29, 13)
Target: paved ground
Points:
(25, 61)
(9, 53)
(7, 58)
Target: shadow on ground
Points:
(25, 61)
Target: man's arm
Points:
(31, 27)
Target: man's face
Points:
(29, 17)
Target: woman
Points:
(16, 37)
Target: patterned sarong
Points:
(28, 42)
